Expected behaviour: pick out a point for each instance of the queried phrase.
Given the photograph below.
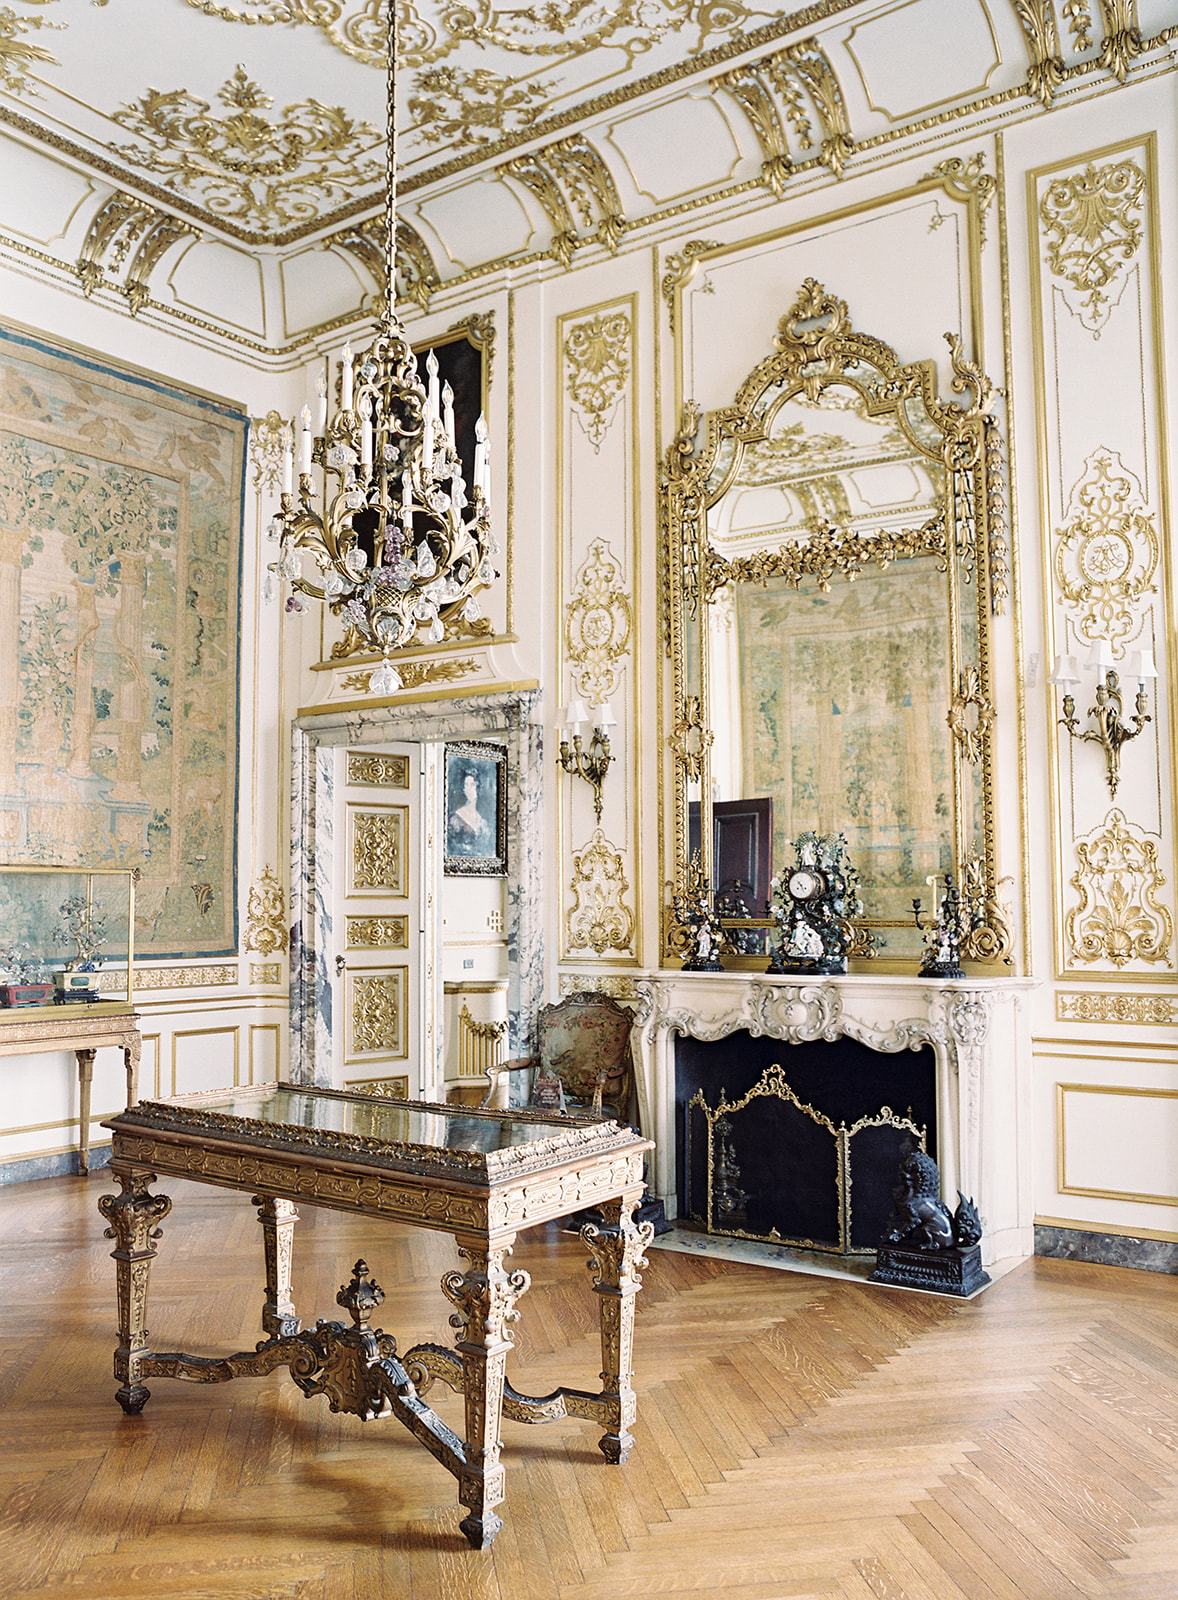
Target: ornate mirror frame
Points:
(816, 347)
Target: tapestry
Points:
(844, 701)
(120, 531)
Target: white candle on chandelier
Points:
(431, 367)
(321, 408)
(365, 431)
(448, 413)
(406, 495)
(287, 461)
(346, 394)
(480, 454)
(305, 440)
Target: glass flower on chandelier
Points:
(403, 545)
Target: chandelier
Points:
(402, 543)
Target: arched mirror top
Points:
(814, 691)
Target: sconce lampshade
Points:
(1141, 666)
(604, 718)
(1100, 657)
(1066, 672)
(577, 715)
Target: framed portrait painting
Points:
(476, 810)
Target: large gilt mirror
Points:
(835, 551)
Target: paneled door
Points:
(381, 975)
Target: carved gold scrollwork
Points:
(479, 329)
(378, 933)
(269, 436)
(1123, 42)
(689, 739)
(965, 178)
(680, 267)
(1046, 71)
(382, 771)
(265, 928)
(1093, 227)
(598, 625)
(1107, 552)
(1120, 917)
(378, 1012)
(971, 716)
(566, 177)
(599, 918)
(782, 90)
(993, 940)
(418, 278)
(377, 861)
(597, 357)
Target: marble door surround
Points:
(509, 718)
(979, 1032)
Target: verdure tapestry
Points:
(844, 721)
(120, 533)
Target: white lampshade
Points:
(578, 715)
(604, 717)
(1100, 657)
(1066, 672)
(1141, 666)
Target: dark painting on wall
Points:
(476, 809)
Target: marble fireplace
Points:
(972, 1036)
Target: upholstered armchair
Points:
(582, 1062)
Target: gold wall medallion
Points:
(1092, 224)
(1107, 552)
(265, 928)
(599, 622)
(597, 356)
(377, 933)
(1126, 1010)
(599, 918)
(380, 771)
(1119, 918)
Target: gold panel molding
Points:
(376, 1012)
(395, 1087)
(377, 933)
(1066, 1185)
(598, 625)
(172, 978)
(1092, 224)
(1107, 552)
(1119, 918)
(1123, 1010)
(265, 928)
(599, 919)
(378, 849)
(597, 369)
(381, 771)
(265, 972)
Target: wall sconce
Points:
(1110, 732)
(592, 764)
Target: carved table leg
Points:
(85, 1078)
(278, 1218)
(133, 1217)
(131, 1052)
(617, 1256)
(485, 1296)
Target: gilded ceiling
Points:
(177, 129)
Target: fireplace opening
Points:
(798, 1144)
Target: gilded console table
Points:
(480, 1175)
(84, 1029)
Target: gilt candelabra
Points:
(591, 761)
(1111, 732)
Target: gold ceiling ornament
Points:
(126, 226)
(404, 551)
(471, 110)
(1093, 227)
(1123, 42)
(18, 57)
(598, 624)
(269, 437)
(1078, 16)
(417, 277)
(1120, 917)
(265, 929)
(243, 166)
(566, 177)
(599, 919)
(1046, 71)
(597, 356)
(1107, 552)
(971, 715)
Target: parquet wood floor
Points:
(796, 1436)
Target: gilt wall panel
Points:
(1093, 233)
(597, 465)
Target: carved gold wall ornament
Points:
(966, 179)
(18, 56)
(828, 553)
(993, 940)
(377, 933)
(175, 978)
(381, 771)
(244, 166)
(597, 357)
(479, 329)
(395, 1087)
(1107, 552)
(265, 928)
(414, 674)
(1120, 917)
(1078, 16)
(783, 89)
(1128, 1010)
(599, 622)
(1092, 222)
(689, 739)
(1046, 71)
(377, 1012)
(599, 919)
(263, 972)
(679, 268)
(971, 716)
(378, 849)
(1122, 37)
(268, 437)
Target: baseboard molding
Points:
(62, 1163)
(1106, 1249)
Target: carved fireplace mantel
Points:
(977, 1028)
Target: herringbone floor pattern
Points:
(796, 1436)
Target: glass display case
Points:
(67, 935)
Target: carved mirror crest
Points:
(834, 550)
